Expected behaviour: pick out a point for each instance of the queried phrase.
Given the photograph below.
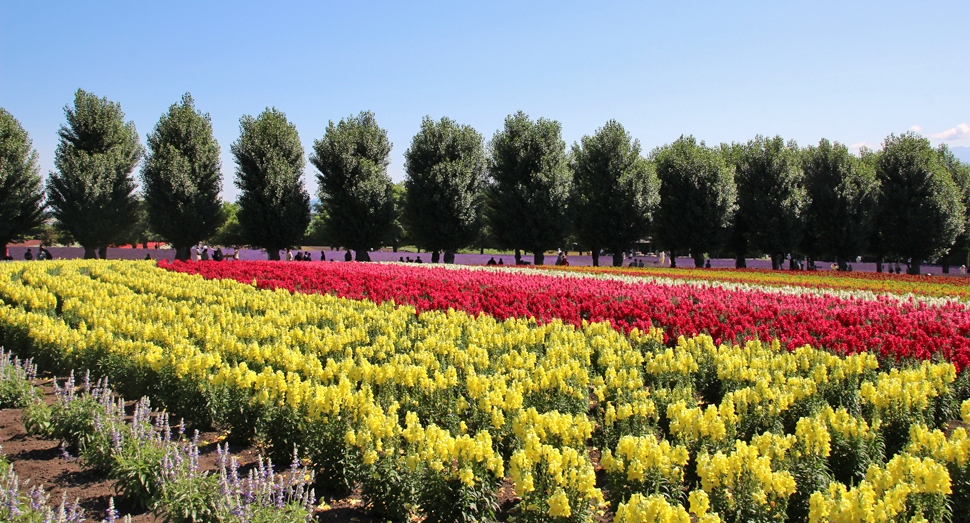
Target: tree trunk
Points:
(879, 265)
(699, 260)
(183, 252)
(518, 257)
(740, 262)
(596, 258)
(449, 256)
(914, 267)
(273, 254)
(362, 255)
(103, 252)
(776, 262)
(90, 253)
(538, 258)
(617, 258)
(946, 267)
(435, 256)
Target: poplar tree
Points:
(530, 186)
(91, 191)
(697, 198)
(445, 168)
(274, 206)
(21, 191)
(842, 190)
(920, 208)
(355, 190)
(181, 178)
(617, 191)
(772, 199)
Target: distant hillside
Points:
(963, 153)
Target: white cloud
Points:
(958, 132)
(916, 129)
(854, 148)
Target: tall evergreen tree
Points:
(355, 189)
(771, 196)
(90, 193)
(617, 191)
(920, 208)
(445, 168)
(181, 178)
(274, 206)
(530, 185)
(842, 191)
(697, 197)
(21, 191)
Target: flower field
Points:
(431, 389)
(893, 328)
(899, 284)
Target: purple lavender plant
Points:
(33, 505)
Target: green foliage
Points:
(959, 254)
(90, 193)
(72, 419)
(16, 389)
(136, 467)
(274, 206)
(181, 178)
(920, 208)
(34, 505)
(398, 235)
(697, 197)
(445, 168)
(446, 500)
(772, 199)
(16, 394)
(37, 419)
(617, 191)
(230, 232)
(355, 189)
(843, 192)
(530, 186)
(388, 488)
(279, 428)
(190, 500)
(140, 229)
(21, 192)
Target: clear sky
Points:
(852, 72)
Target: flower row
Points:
(894, 329)
(879, 283)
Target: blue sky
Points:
(852, 72)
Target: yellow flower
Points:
(559, 505)
(699, 502)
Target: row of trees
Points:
(523, 189)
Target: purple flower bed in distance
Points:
(461, 259)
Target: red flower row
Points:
(893, 329)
